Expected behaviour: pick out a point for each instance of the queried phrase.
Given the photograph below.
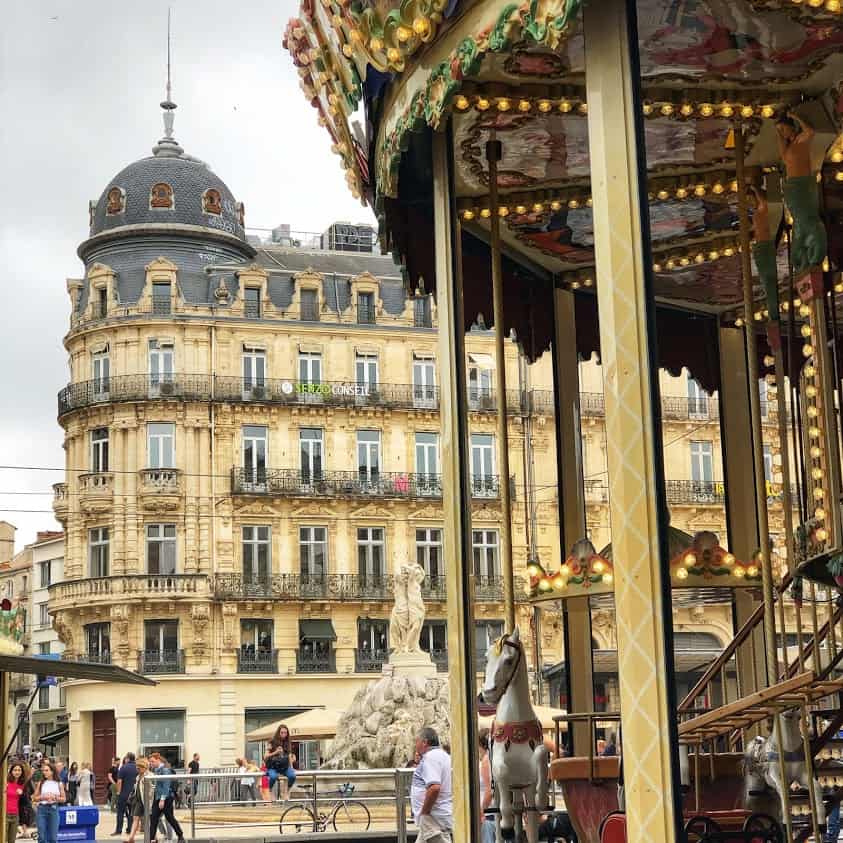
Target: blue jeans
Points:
(48, 823)
(273, 775)
(833, 823)
(487, 831)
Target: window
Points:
(310, 449)
(101, 308)
(161, 637)
(768, 463)
(43, 697)
(254, 454)
(257, 556)
(313, 552)
(162, 304)
(43, 614)
(98, 552)
(421, 312)
(255, 640)
(368, 455)
(100, 372)
(702, 462)
(99, 449)
(482, 464)
(479, 387)
(373, 637)
(44, 648)
(434, 638)
(160, 445)
(161, 196)
(254, 372)
(370, 554)
(698, 400)
(116, 201)
(485, 634)
(424, 383)
(429, 553)
(366, 370)
(309, 305)
(162, 731)
(310, 367)
(212, 202)
(252, 303)
(161, 548)
(485, 548)
(366, 308)
(160, 367)
(45, 571)
(427, 464)
(98, 642)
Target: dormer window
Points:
(212, 202)
(116, 201)
(161, 196)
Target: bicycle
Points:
(344, 815)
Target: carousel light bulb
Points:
(404, 33)
(666, 109)
(607, 578)
(819, 493)
(807, 350)
(821, 534)
(699, 190)
(747, 111)
(739, 322)
(689, 560)
(647, 108)
(785, 306)
(717, 188)
(575, 285)
(533, 569)
(520, 209)
(699, 257)
(826, 264)
(662, 194)
(769, 361)
(589, 282)
(485, 213)
(812, 412)
(524, 106)
(684, 261)
(767, 111)
(729, 560)
(482, 104)
(814, 432)
(837, 156)
(819, 513)
(461, 103)
(375, 45)
(806, 331)
(817, 473)
(559, 582)
(671, 264)
(726, 110)
(583, 108)
(565, 106)
(757, 315)
(838, 176)
(545, 106)
(815, 452)
(394, 55)
(681, 193)
(565, 570)
(752, 571)
(421, 26)
(728, 252)
(713, 255)
(573, 204)
(468, 215)
(706, 109)
(686, 109)
(504, 104)
(556, 205)
(589, 202)
(682, 573)
(838, 288)
(811, 391)
(733, 186)
(599, 566)
(503, 210)
(657, 267)
(809, 371)
(739, 571)
(538, 207)
(545, 585)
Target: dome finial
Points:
(168, 146)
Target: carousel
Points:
(659, 183)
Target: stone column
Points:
(636, 487)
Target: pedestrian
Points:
(265, 794)
(86, 784)
(430, 793)
(113, 770)
(247, 783)
(611, 748)
(15, 789)
(279, 762)
(163, 797)
(126, 776)
(832, 820)
(72, 783)
(487, 823)
(136, 798)
(26, 813)
(49, 794)
(61, 773)
(194, 769)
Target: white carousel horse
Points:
(761, 764)
(519, 757)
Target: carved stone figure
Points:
(407, 618)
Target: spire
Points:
(168, 147)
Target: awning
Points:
(319, 629)
(484, 360)
(316, 724)
(54, 737)
(71, 670)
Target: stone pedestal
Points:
(410, 664)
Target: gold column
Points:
(578, 656)
(456, 502)
(739, 471)
(625, 309)
(4, 739)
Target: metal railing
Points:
(262, 661)
(161, 662)
(370, 661)
(109, 589)
(295, 483)
(704, 492)
(308, 661)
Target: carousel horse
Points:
(519, 757)
(762, 769)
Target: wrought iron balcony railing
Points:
(308, 661)
(440, 659)
(290, 482)
(161, 661)
(263, 661)
(302, 587)
(134, 388)
(96, 657)
(695, 492)
(370, 661)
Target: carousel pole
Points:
(758, 457)
(456, 492)
(4, 728)
(493, 155)
(638, 509)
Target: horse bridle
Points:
(502, 642)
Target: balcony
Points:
(61, 500)
(308, 661)
(302, 587)
(288, 482)
(71, 594)
(134, 388)
(96, 658)
(260, 662)
(596, 491)
(96, 491)
(696, 492)
(160, 662)
(370, 661)
(160, 488)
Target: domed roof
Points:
(187, 192)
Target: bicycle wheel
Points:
(297, 819)
(351, 816)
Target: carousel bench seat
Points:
(578, 768)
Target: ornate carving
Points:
(200, 614)
(212, 201)
(229, 617)
(65, 634)
(161, 196)
(120, 627)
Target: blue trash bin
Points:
(78, 822)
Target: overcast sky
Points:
(80, 83)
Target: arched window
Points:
(161, 196)
(116, 201)
(212, 202)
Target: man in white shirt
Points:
(430, 792)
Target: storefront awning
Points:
(54, 737)
(317, 629)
